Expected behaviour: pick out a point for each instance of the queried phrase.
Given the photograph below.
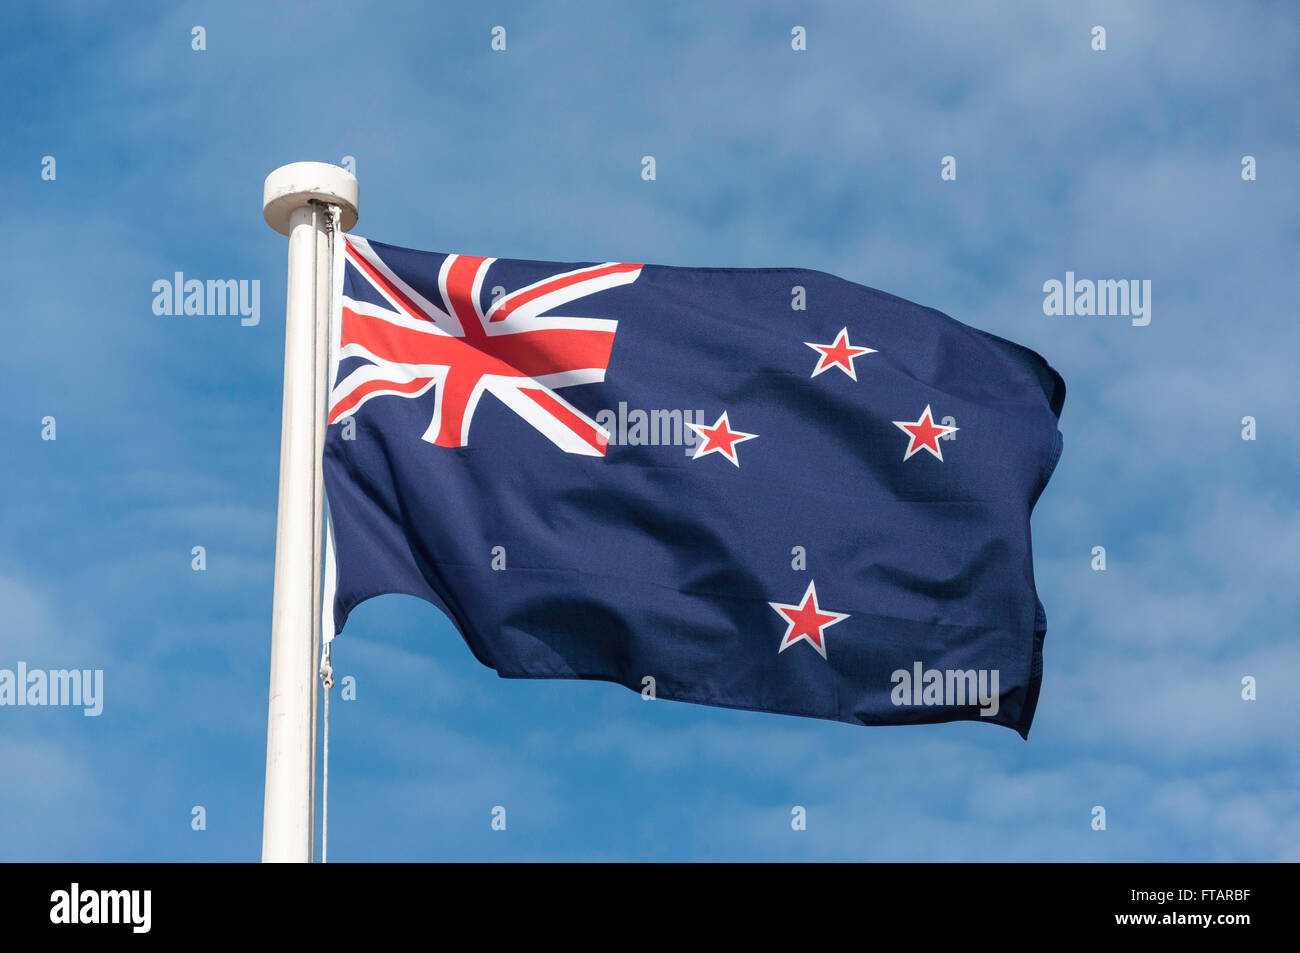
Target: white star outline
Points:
(786, 641)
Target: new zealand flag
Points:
(768, 489)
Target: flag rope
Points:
(327, 682)
(326, 610)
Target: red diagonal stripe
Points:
(546, 400)
(373, 274)
(523, 297)
(349, 403)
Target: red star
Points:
(839, 354)
(807, 621)
(924, 434)
(719, 438)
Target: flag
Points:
(765, 489)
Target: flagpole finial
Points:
(294, 185)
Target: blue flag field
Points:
(767, 489)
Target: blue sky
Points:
(1117, 164)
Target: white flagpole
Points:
(295, 202)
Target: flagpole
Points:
(295, 202)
